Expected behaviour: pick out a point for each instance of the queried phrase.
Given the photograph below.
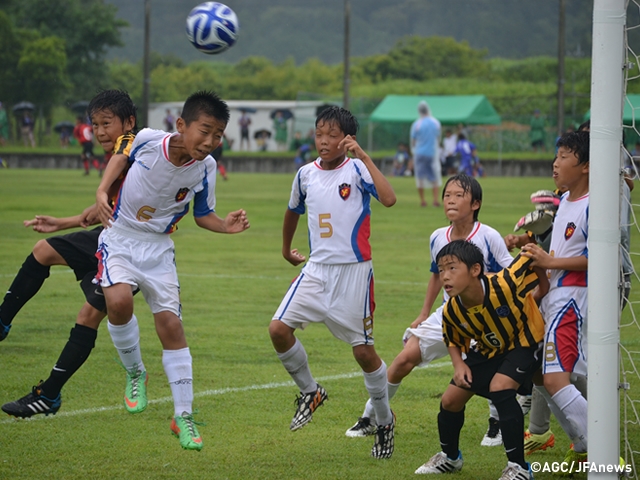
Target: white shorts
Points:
(340, 296)
(429, 333)
(145, 260)
(565, 340)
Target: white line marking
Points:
(206, 393)
(232, 277)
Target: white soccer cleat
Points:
(440, 463)
(493, 437)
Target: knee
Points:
(90, 317)
(451, 404)
(44, 253)
(281, 334)
(119, 311)
(367, 358)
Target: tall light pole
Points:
(146, 81)
(346, 79)
(561, 50)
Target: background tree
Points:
(88, 28)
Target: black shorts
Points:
(79, 251)
(244, 134)
(519, 364)
(87, 148)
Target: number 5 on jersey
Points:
(323, 221)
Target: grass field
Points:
(231, 285)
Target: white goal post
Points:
(607, 77)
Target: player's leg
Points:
(450, 422)
(422, 346)
(299, 306)
(32, 274)
(516, 369)
(178, 366)
(539, 435)
(563, 355)
(375, 380)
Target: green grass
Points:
(231, 285)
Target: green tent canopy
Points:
(631, 110)
(448, 109)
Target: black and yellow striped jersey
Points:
(508, 317)
(123, 144)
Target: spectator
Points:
(26, 129)
(280, 128)
(425, 136)
(449, 143)
(537, 133)
(401, 160)
(244, 123)
(4, 126)
(169, 121)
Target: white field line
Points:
(232, 277)
(206, 393)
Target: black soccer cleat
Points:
(32, 404)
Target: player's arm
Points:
(461, 371)
(49, 224)
(543, 284)
(234, 222)
(289, 227)
(517, 241)
(115, 167)
(544, 260)
(386, 195)
(433, 289)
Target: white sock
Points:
(295, 362)
(392, 388)
(376, 383)
(540, 413)
(177, 367)
(574, 407)
(126, 339)
(493, 411)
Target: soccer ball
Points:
(212, 27)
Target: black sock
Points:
(28, 281)
(449, 426)
(81, 341)
(511, 424)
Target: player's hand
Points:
(293, 257)
(89, 217)
(351, 147)
(43, 224)
(103, 209)
(236, 222)
(538, 255)
(511, 241)
(416, 323)
(462, 376)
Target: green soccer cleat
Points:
(184, 427)
(538, 442)
(571, 462)
(135, 393)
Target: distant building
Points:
(304, 116)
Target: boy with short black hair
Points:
(113, 115)
(167, 172)
(565, 306)
(500, 313)
(335, 287)
(462, 200)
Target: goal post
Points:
(608, 61)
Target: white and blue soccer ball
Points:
(212, 27)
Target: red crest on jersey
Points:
(569, 231)
(344, 190)
(182, 193)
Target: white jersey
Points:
(339, 210)
(488, 240)
(155, 194)
(569, 239)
